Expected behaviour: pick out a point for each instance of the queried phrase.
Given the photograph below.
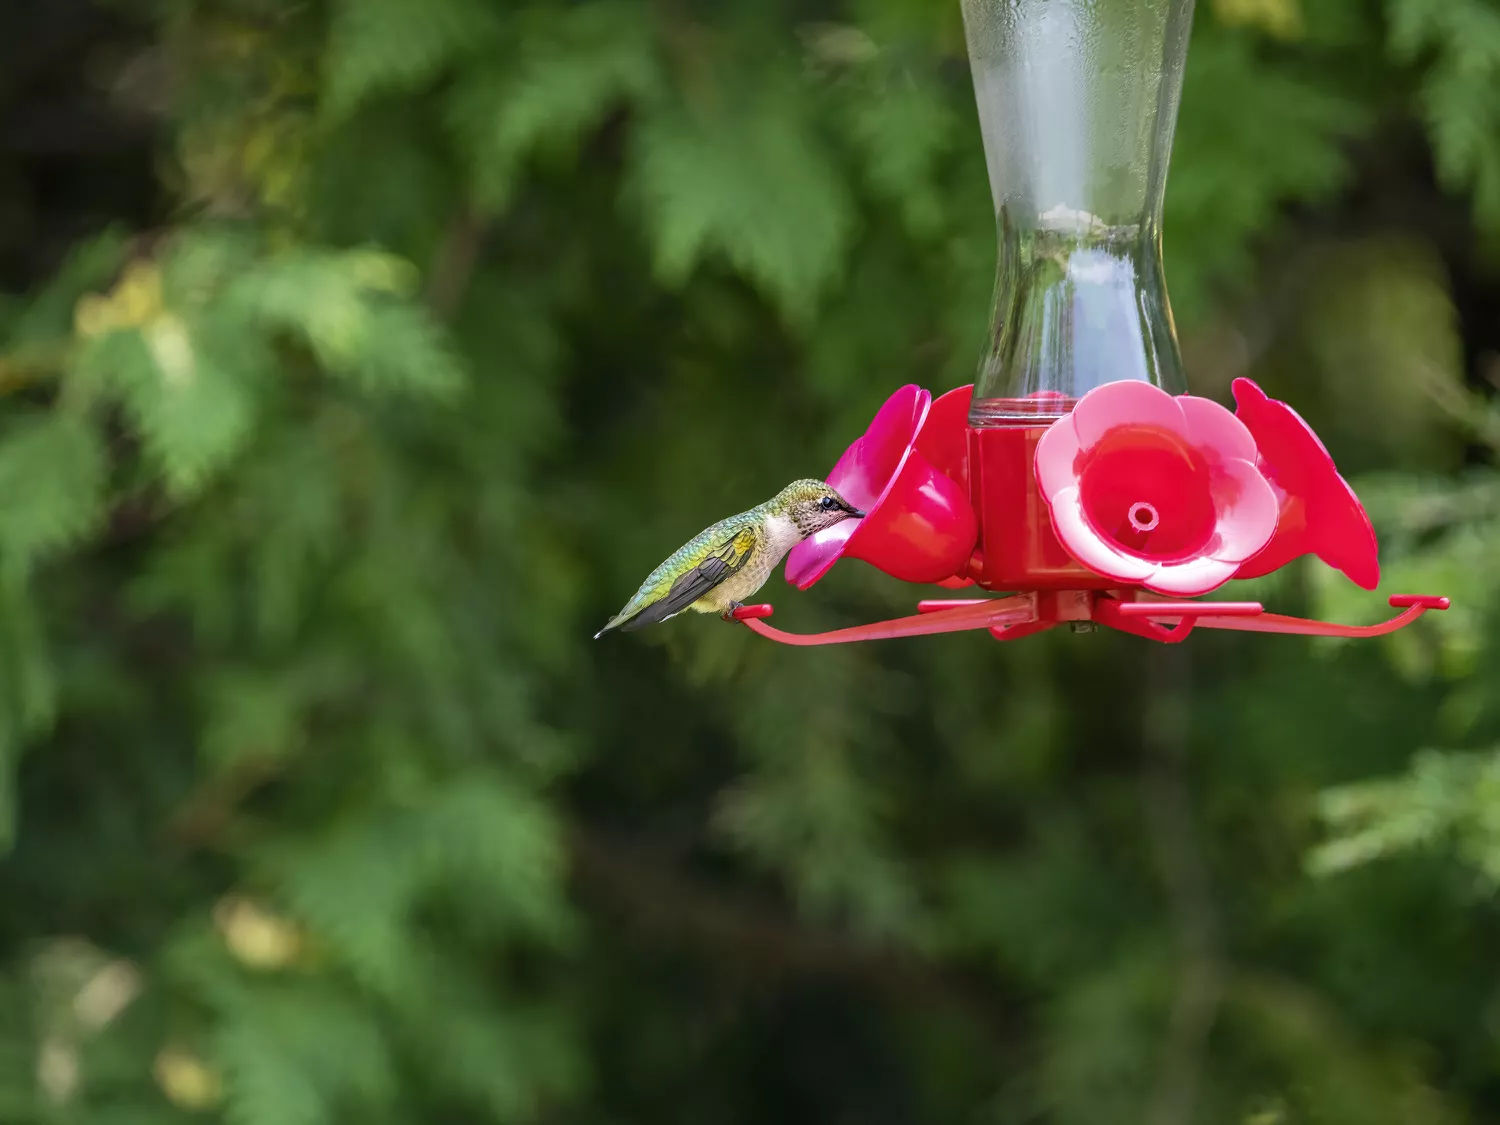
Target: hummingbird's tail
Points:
(628, 619)
(613, 623)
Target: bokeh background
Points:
(359, 357)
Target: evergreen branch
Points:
(203, 818)
(453, 265)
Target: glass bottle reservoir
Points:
(1077, 106)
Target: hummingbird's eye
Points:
(828, 503)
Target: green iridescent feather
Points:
(732, 539)
(733, 556)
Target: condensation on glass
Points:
(1077, 103)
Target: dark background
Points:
(359, 359)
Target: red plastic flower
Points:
(1155, 490)
(1320, 514)
(918, 525)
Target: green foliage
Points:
(1444, 797)
(30, 693)
(49, 312)
(1458, 94)
(389, 46)
(193, 409)
(570, 72)
(751, 181)
(903, 128)
(1233, 171)
(343, 307)
(322, 806)
(52, 467)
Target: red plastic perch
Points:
(987, 613)
(1412, 605)
(1149, 618)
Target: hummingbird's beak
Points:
(856, 513)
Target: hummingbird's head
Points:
(812, 506)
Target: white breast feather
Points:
(781, 536)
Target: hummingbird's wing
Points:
(723, 560)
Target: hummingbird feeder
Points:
(1077, 476)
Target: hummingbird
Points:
(721, 566)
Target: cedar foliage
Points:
(450, 318)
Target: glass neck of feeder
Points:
(1077, 105)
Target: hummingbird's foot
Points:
(728, 614)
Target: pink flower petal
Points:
(1214, 427)
(1191, 578)
(1328, 519)
(1247, 519)
(1126, 403)
(869, 467)
(1348, 543)
(810, 560)
(861, 473)
(1259, 410)
(1056, 456)
(1189, 460)
(853, 477)
(1079, 537)
(919, 525)
(944, 436)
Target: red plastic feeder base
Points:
(1129, 498)
(1129, 611)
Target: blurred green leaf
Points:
(575, 70)
(754, 184)
(53, 473)
(390, 46)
